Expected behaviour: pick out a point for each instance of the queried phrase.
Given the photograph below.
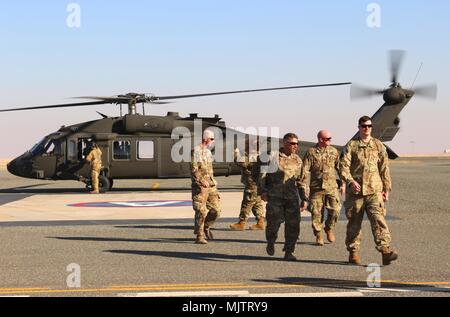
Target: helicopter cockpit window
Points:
(146, 150)
(121, 150)
(47, 147)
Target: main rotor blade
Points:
(245, 91)
(92, 103)
(359, 92)
(396, 59)
(114, 99)
(429, 91)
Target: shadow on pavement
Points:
(351, 284)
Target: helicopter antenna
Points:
(417, 75)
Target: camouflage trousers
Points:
(251, 203)
(95, 173)
(206, 204)
(319, 200)
(373, 205)
(287, 211)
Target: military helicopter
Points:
(139, 146)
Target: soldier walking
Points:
(321, 166)
(205, 197)
(365, 169)
(95, 158)
(251, 201)
(281, 186)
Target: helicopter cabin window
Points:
(146, 150)
(72, 150)
(122, 150)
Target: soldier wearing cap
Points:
(365, 169)
(95, 159)
(282, 187)
(205, 197)
(321, 166)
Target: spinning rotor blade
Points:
(359, 92)
(245, 91)
(429, 91)
(92, 103)
(396, 59)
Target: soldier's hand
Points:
(205, 184)
(303, 206)
(343, 190)
(264, 197)
(356, 187)
(385, 196)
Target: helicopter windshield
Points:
(45, 146)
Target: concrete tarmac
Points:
(135, 245)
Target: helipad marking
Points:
(134, 204)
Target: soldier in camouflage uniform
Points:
(364, 168)
(321, 166)
(95, 158)
(205, 197)
(281, 186)
(251, 202)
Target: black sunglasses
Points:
(293, 143)
(326, 139)
(364, 126)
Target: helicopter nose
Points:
(12, 167)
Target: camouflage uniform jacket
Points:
(95, 158)
(367, 164)
(321, 165)
(286, 181)
(250, 169)
(202, 166)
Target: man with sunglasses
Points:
(321, 164)
(205, 197)
(281, 185)
(364, 168)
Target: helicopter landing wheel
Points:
(104, 184)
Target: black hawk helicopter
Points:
(139, 146)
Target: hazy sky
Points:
(179, 46)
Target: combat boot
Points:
(330, 235)
(270, 248)
(288, 256)
(261, 225)
(201, 240)
(319, 239)
(208, 234)
(354, 257)
(389, 256)
(240, 226)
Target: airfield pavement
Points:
(134, 249)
